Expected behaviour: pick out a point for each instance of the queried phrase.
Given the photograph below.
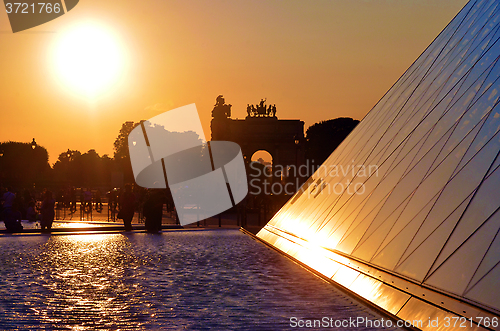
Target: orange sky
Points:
(315, 60)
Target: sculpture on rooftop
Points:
(221, 110)
(261, 110)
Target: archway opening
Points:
(263, 157)
(263, 160)
(260, 173)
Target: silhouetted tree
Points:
(121, 154)
(63, 169)
(322, 138)
(83, 170)
(22, 166)
(121, 142)
(91, 169)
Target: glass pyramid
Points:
(405, 212)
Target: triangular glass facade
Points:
(414, 190)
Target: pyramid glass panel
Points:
(482, 206)
(463, 262)
(428, 231)
(429, 212)
(491, 258)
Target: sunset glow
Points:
(88, 60)
(107, 62)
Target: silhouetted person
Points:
(249, 110)
(98, 201)
(2, 192)
(47, 211)
(127, 207)
(27, 199)
(153, 211)
(8, 198)
(274, 110)
(112, 202)
(82, 199)
(87, 196)
(12, 218)
(31, 212)
(72, 194)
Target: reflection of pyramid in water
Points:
(428, 221)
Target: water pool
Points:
(191, 280)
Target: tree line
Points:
(25, 165)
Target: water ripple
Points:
(193, 280)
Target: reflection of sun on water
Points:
(84, 273)
(82, 240)
(89, 60)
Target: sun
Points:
(89, 60)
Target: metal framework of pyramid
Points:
(405, 212)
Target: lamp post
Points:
(1, 168)
(33, 146)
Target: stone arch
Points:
(283, 139)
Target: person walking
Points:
(47, 211)
(153, 211)
(127, 207)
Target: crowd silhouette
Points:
(122, 204)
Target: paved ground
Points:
(103, 220)
(230, 221)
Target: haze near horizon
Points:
(315, 60)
